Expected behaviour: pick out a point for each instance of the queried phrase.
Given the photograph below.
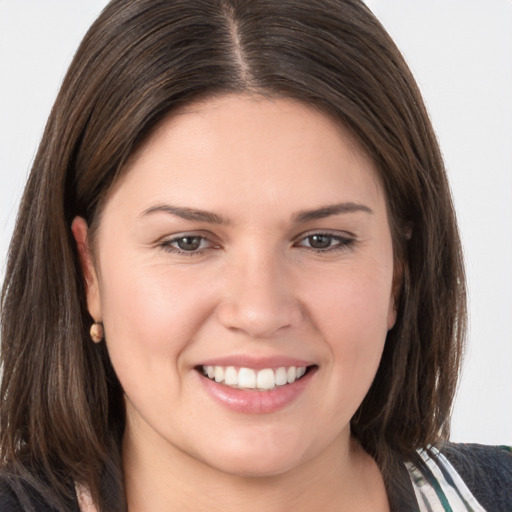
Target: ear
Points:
(80, 232)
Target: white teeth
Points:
(281, 376)
(231, 376)
(247, 378)
(219, 374)
(266, 379)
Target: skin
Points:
(255, 287)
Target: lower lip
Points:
(254, 401)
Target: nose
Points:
(259, 298)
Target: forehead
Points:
(228, 115)
(241, 149)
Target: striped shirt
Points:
(438, 487)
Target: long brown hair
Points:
(62, 413)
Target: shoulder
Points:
(486, 470)
(8, 500)
(17, 495)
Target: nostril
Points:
(259, 318)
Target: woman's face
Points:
(246, 243)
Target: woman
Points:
(236, 269)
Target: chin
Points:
(252, 468)
(254, 460)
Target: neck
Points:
(344, 477)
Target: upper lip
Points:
(256, 363)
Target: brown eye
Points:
(325, 242)
(320, 241)
(189, 243)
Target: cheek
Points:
(352, 314)
(353, 301)
(150, 314)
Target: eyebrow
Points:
(332, 209)
(186, 213)
(212, 218)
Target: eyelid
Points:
(166, 243)
(327, 232)
(344, 238)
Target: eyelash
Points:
(167, 245)
(341, 243)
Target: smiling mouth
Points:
(265, 379)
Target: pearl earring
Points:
(96, 332)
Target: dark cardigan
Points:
(486, 470)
